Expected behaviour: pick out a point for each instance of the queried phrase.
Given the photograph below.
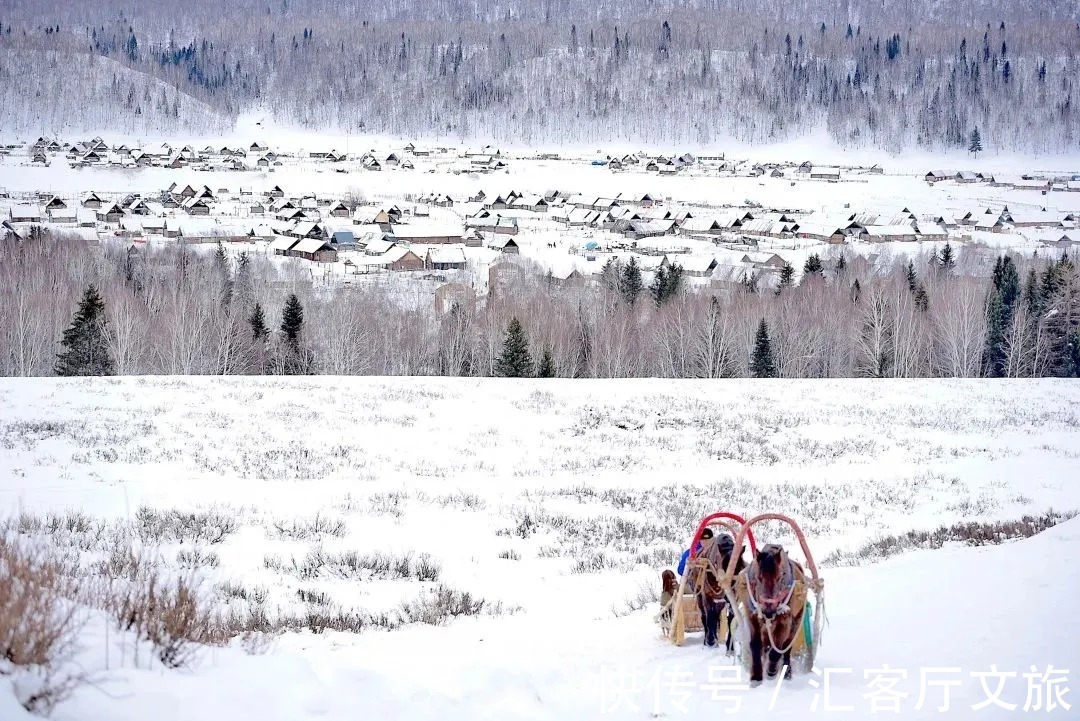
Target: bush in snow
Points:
(175, 526)
(38, 625)
(970, 534)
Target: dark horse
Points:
(711, 600)
(773, 591)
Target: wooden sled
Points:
(685, 616)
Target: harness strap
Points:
(755, 604)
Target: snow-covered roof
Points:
(283, 242)
(309, 245)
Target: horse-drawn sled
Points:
(763, 606)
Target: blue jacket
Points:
(685, 558)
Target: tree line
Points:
(70, 308)
(554, 71)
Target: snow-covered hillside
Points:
(558, 503)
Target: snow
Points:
(622, 469)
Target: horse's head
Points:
(670, 583)
(772, 563)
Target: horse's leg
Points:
(703, 608)
(755, 652)
(713, 620)
(729, 643)
(772, 667)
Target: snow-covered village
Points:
(541, 361)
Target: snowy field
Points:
(558, 503)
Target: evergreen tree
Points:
(922, 300)
(856, 291)
(257, 320)
(547, 365)
(221, 264)
(632, 283)
(912, 278)
(292, 320)
(813, 267)
(786, 274)
(750, 282)
(295, 358)
(85, 341)
(975, 145)
(946, 261)
(1060, 318)
(666, 283)
(762, 364)
(514, 361)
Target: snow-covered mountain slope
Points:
(558, 503)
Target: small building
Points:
(402, 259)
(25, 214)
(91, 200)
(505, 244)
(282, 244)
(426, 234)
(111, 213)
(696, 266)
(824, 173)
(452, 258)
(343, 240)
(314, 249)
(196, 206)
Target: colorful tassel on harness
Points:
(808, 625)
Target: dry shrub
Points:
(440, 605)
(173, 526)
(170, 613)
(969, 533)
(38, 626)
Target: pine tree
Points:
(813, 267)
(292, 320)
(547, 365)
(786, 274)
(762, 364)
(514, 362)
(912, 278)
(294, 358)
(86, 341)
(632, 284)
(750, 282)
(922, 300)
(946, 261)
(666, 283)
(257, 320)
(975, 145)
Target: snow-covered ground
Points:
(559, 503)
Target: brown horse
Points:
(711, 599)
(773, 591)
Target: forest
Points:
(70, 308)
(892, 76)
